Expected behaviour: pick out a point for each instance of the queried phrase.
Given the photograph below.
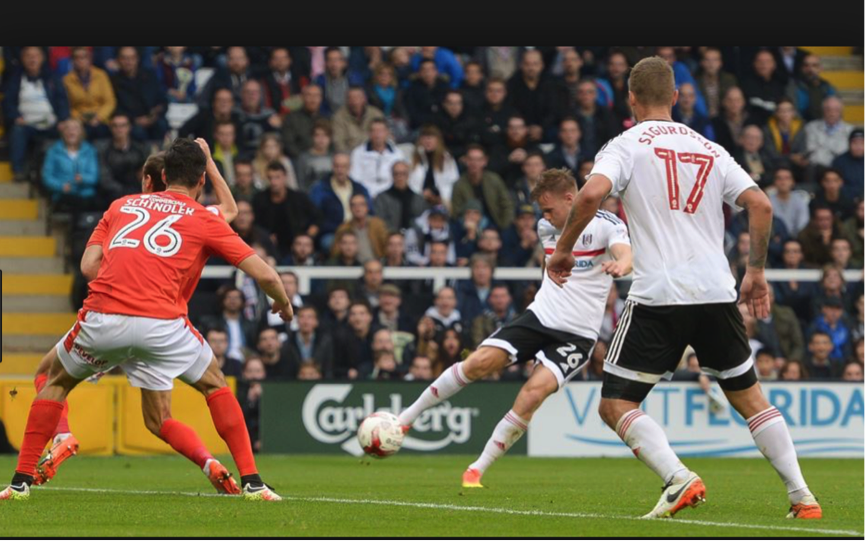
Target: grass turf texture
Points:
(577, 497)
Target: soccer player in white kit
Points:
(559, 329)
(673, 184)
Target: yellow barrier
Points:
(106, 417)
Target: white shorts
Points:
(152, 352)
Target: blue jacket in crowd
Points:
(59, 169)
(328, 202)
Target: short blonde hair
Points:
(554, 181)
(652, 81)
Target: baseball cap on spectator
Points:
(858, 133)
(440, 210)
(473, 204)
(525, 209)
(389, 289)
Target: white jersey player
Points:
(673, 184)
(559, 329)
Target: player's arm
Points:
(269, 281)
(225, 201)
(621, 264)
(586, 205)
(91, 261)
(755, 290)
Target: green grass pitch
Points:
(411, 495)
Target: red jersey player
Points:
(135, 317)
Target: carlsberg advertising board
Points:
(323, 417)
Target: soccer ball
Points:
(380, 435)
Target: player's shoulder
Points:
(605, 216)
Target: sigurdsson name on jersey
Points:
(648, 135)
(161, 204)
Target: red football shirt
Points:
(154, 249)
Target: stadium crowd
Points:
(425, 157)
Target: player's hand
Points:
(616, 269)
(285, 311)
(204, 148)
(559, 267)
(754, 294)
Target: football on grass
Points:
(380, 434)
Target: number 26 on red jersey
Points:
(162, 228)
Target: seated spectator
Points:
(753, 157)
(278, 362)
(490, 244)
(797, 295)
(91, 98)
(713, 81)
(434, 171)
(616, 89)
(281, 88)
(467, 231)
(302, 252)
(685, 112)
(241, 330)
(384, 93)
(450, 349)
(852, 372)
(832, 285)
(473, 293)
(765, 365)
(740, 254)
(789, 204)
(764, 88)
(784, 137)
(245, 188)
(372, 161)
(809, 89)
(352, 121)
(316, 162)
(533, 166)
(791, 344)
(370, 231)
(254, 120)
(332, 196)
(485, 186)
(495, 113)
(733, 118)
(284, 212)
(778, 235)
(336, 315)
(249, 396)
(816, 238)
(308, 345)
(232, 77)
(444, 313)
(217, 339)
(388, 315)
(472, 89)
(760, 333)
(292, 290)
(203, 123)
(830, 321)
(430, 228)
(831, 195)
(425, 95)
(310, 371)
(139, 95)
(567, 152)
(399, 205)
(175, 71)
(682, 72)
(420, 370)
(507, 158)
(828, 137)
(534, 96)
(357, 339)
(225, 151)
(821, 365)
(841, 253)
(499, 312)
(270, 151)
(120, 160)
(334, 82)
(850, 165)
(444, 61)
(851, 230)
(70, 171)
(596, 123)
(458, 127)
(344, 254)
(385, 367)
(794, 370)
(395, 252)
(568, 72)
(520, 241)
(297, 126)
(368, 287)
(34, 102)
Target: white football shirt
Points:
(673, 183)
(578, 307)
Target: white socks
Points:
(448, 384)
(649, 443)
(510, 429)
(772, 437)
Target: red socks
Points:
(63, 424)
(231, 426)
(185, 441)
(43, 418)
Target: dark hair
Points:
(223, 292)
(217, 329)
(153, 168)
(276, 166)
(184, 163)
(535, 154)
(332, 49)
(118, 114)
(818, 332)
(339, 288)
(426, 61)
(280, 49)
(366, 306)
(242, 161)
(307, 308)
(475, 146)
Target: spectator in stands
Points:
(490, 244)
(794, 370)
(507, 158)
(533, 166)
(795, 294)
(789, 61)
(832, 285)
(820, 364)
(91, 98)
(752, 155)
(420, 370)
(310, 371)
(139, 95)
(332, 196)
(831, 195)
(682, 74)
(567, 152)
(241, 331)
(344, 254)
(495, 113)
(685, 112)
(430, 228)
(370, 231)
(850, 165)
(785, 138)
(472, 90)
(458, 126)
(485, 186)
(809, 89)
(851, 229)
(281, 88)
(269, 319)
(841, 253)
(351, 123)
(270, 151)
(728, 125)
(244, 188)
(497, 61)
(120, 160)
(520, 241)
(175, 71)
(616, 86)
(450, 348)
(34, 102)
(571, 65)
(830, 321)
(596, 122)
(534, 96)
(739, 256)
(284, 212)
(225, 151)
(221, 109)
(252, 234)
(336, 315)
(372, 161)
(70, 171)
(232, 77)
(217, 339)
(368, 288)
(764, 87)
(472, 294)
(444, 61)
(828, 137)
(434, 171)
(278, 362)
(249, 396)
(789, 204)
(816, 238)
(334, 81)
(425, 95)
(467, 231)
(399, 205)
(297, 127)
(302, 252)
(385, 367)
(444, 313)
(308, 345)
(395, 252)
(500, 311)
(852, 372)
(316, 162)
(357, 339)
(764, 362)
(857, 327)
(254, 120)
(384, 93)
(791, 344)
(389, 314)
(713, 81)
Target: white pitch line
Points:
(470, 508)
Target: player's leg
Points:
(65, 444)
(514, 424)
